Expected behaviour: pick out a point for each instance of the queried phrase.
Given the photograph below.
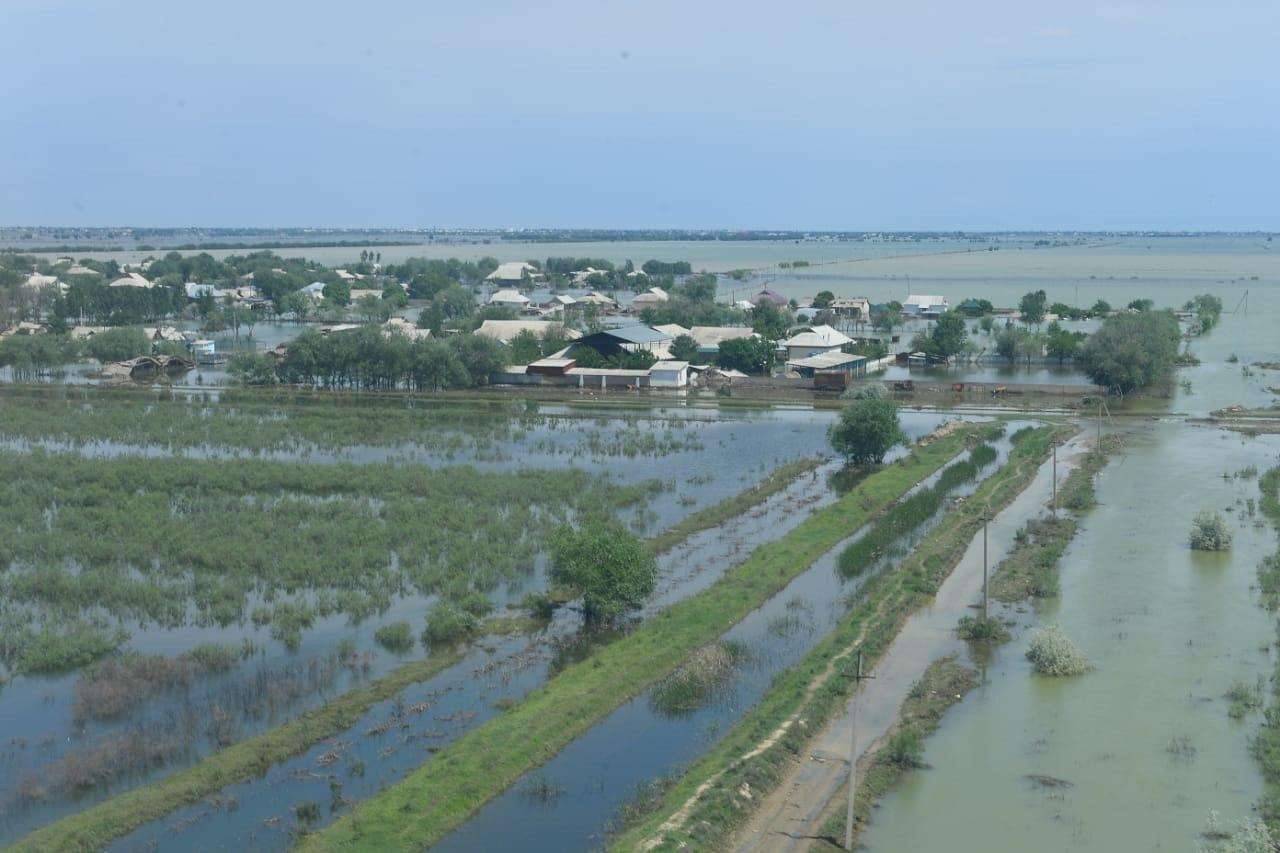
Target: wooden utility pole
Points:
(853, 753)
(985, 596)
(1055, 479)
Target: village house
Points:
(855, 308)
(509, 298)
(924, 306)
(505, 331)
(513, 272)
(813, 340)
(131, 279)
(652, 296)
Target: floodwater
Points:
(464, 696)
(1169, 632)
(36, 713)
(599, 772)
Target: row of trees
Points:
(368, 359)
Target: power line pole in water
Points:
(1055, 479)
(853, 753)
(985, 514)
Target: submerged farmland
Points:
(201, 572)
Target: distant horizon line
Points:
(639, 229)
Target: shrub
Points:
(1052, 653)
(905, 750)
(979, 628)
(706, 673)
(447, 624)
(1209, 532)
(396, 637)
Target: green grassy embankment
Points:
(443, 793)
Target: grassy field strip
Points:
(719, 790)
(1029, 570)
(444, 792)
(94, 827)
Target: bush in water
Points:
(1052, 653)
(1209, 532)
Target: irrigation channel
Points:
(567, 804)
(397, 735)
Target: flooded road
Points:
(1169, 632)
(793, 813)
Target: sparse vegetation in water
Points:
(541, 789)
(1181, 746)
(1243, 698)
(116, 685)
(983, 455)
(485, 761)
(396, 637)
(708, 672)
(1248, 836)
(1031, 567)
(447, 624)
(203, 536)
(982, 628)
(1052, 653)
(1209, 532)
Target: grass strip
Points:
(93, 828)
(704, 519)
(943, 684)
(752, 759)
(443, 793)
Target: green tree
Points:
(949, 334)
(684, 348)
(1101, 308)
(1132, 351)
(1063, 344)
(824, 299)
(750, 355)
(1032, 306)
(769, 321)
(455, 302)
(298, 304)
(612, 570)
(338, 292)
(1141, 305)
(866, 431)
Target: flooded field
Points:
(66, 749)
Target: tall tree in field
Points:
(1032, 307)
(866, 431)
(602, 561)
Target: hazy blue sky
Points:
(901, 115)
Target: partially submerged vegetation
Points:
(204, 539)
(1209, 532)
(1052, 653)
(437, 797)
(708, 672)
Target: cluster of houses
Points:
(814, 352)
